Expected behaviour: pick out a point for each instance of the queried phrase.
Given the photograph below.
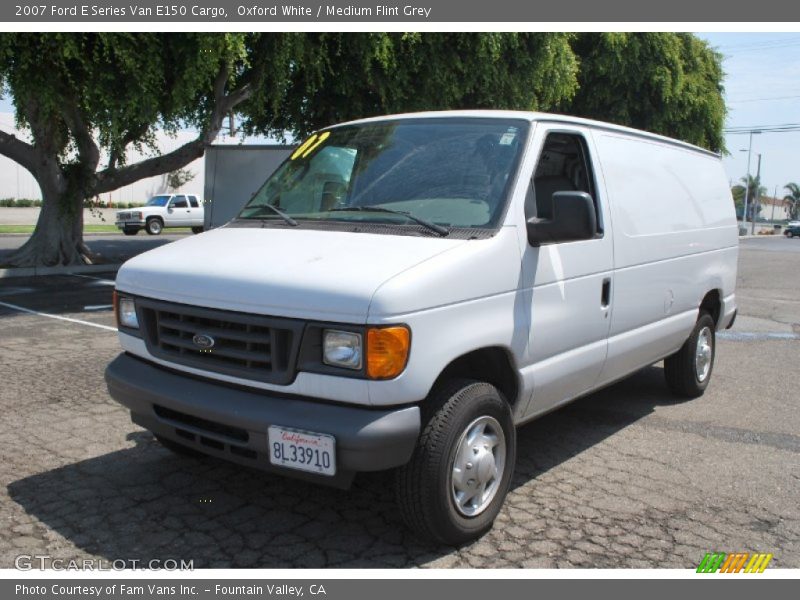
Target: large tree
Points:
(85, 100)
(667, 83)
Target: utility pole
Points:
(774, 200)
(747, 181)
(755, 202)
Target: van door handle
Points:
(605, 294)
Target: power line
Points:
(780, 128)
(765, 42)
(762, 99)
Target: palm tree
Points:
(756, 191)
(792, 200)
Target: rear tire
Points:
(688, 371)
(455, 484)
(179, 449)
(197, 230)
(154, 226)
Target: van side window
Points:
(179, 202)
(193, 202)
(563, 166)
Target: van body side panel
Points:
(675, 239)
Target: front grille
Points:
(246, 346)
(123, 216)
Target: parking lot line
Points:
(100, 279)
(60, 318)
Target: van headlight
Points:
(126, 312)
(341, 349)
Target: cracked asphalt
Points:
(626, 477)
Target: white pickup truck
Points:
(164, 210)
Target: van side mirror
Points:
(573, 219)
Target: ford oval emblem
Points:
(203, 341)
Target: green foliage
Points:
(756, 191)
(667, 83)
(122, 85)
(342, 76)
(19, 202)
(792, 200)
(178, 178)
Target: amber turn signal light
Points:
(387, 351)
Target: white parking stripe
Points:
(100, 279)
(98, 307)
(60, 318)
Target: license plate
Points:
(302, 450)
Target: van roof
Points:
(533, 117)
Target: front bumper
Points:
(129, 224)
(232, 423)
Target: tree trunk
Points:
(58, 237)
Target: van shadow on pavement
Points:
(145, 503)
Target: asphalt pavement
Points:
(626, 477)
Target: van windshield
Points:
(449, 172)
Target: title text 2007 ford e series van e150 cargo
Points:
(405, 290)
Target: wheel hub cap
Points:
(703, 354)
(478, 466)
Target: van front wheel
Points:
(459, 475)
(688, 371)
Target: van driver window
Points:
(563, 166)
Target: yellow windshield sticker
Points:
(303, 147)
(324, 136)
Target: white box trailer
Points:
(233, 174)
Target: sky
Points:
(762, 87)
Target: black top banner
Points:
(408, 11)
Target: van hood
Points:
(301, 273)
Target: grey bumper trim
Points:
(366, 439)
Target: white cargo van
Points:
(403, 291)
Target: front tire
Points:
(454, 486)
(688, 371)
(154, 226)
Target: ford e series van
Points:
(406, 290)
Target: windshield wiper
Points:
(278, 212)
(443, 231)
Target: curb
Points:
(42, 271)
(84, 235)
(93, 233)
